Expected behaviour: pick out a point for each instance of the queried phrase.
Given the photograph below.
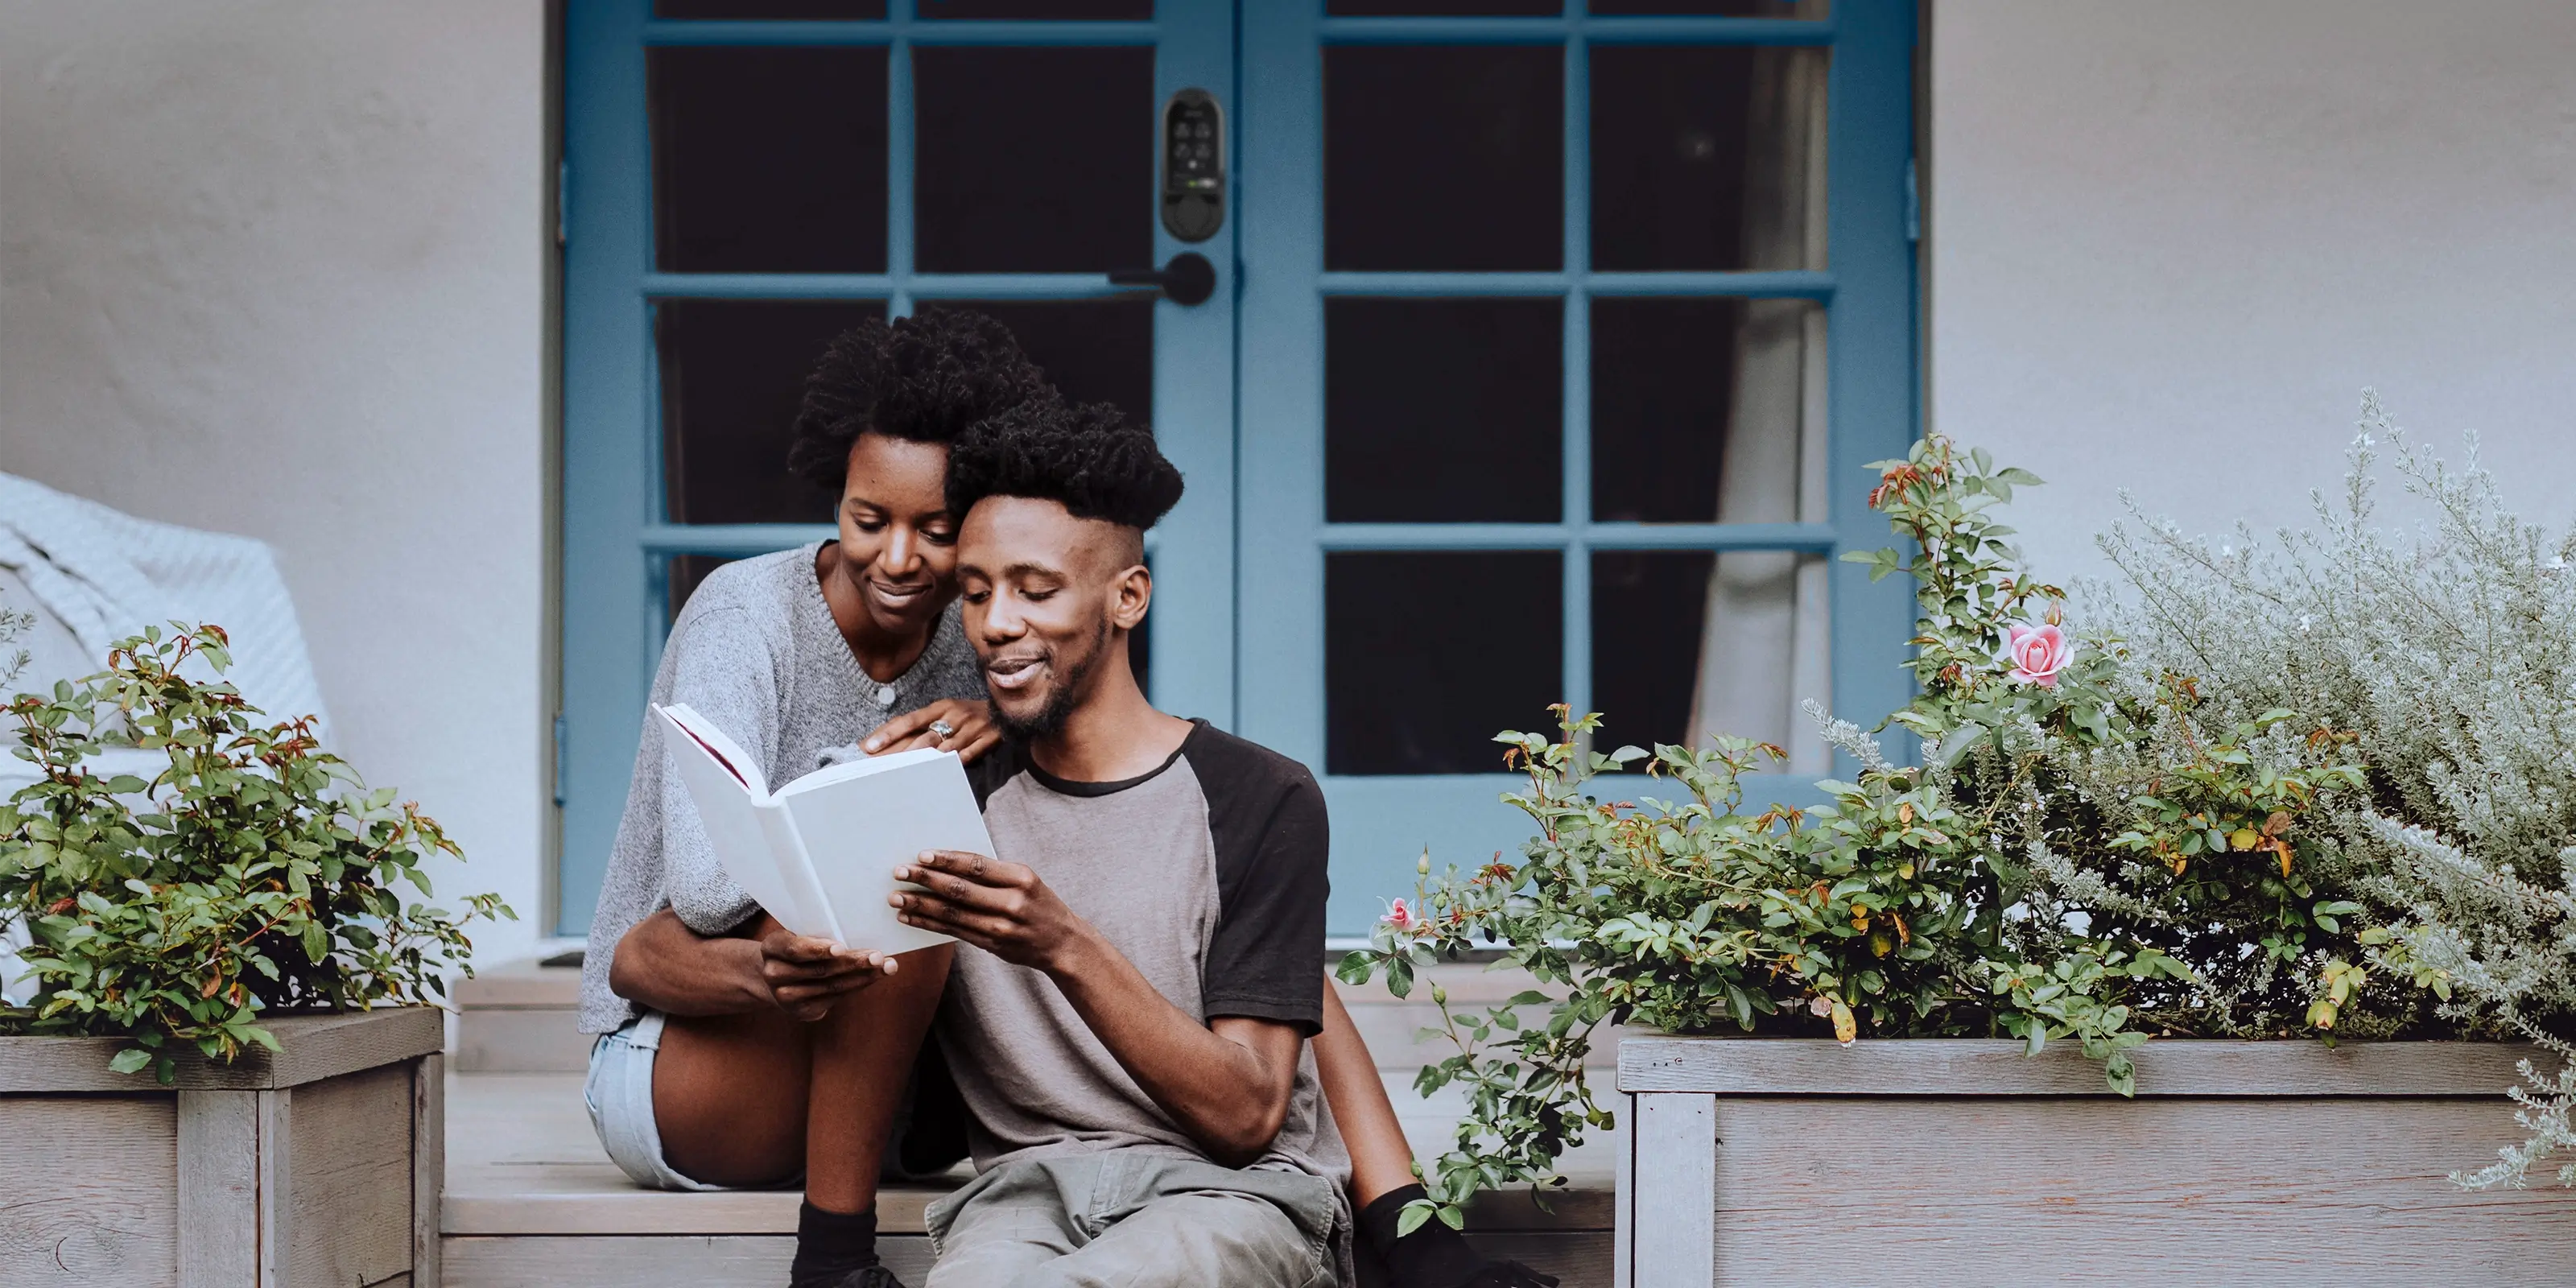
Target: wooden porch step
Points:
(531, 1200)
(520, 1018)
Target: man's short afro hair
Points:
(924, 378)
(1090, 458)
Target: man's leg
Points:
(1192, 1240)
(1006, 1224)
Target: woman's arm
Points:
(663, 964)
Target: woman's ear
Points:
(1130, 596)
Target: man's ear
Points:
(1129, 596)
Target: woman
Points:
(735, 1053)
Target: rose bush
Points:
(255, 874)
(2088, 850)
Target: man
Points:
(1137, 974)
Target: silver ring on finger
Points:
(944, 729)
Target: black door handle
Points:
(1188, 279)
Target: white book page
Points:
(864, 767)
(695, 728)
(776, 878)
(858, 828)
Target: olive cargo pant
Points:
(1134, 1219)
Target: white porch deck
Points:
(531, 1199)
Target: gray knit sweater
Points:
(756, 652)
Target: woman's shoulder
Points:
(754, 598)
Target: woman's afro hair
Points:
(924, 378)
(1089, 457)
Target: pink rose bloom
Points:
(2037, 654)
(1402, 918)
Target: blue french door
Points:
(1545, 341)
(1566, 330)
(746, 178)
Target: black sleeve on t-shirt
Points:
(1266, 817)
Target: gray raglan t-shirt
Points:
(755, 651)
(1209, 875)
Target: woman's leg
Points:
(863, 1055)
(1381, 1158)
(730, 1095)
(753, 1099)
(1433, 1255)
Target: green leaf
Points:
(130, 1060)
(1412, 1217)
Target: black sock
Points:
(1433, 1256)
(829, 1245)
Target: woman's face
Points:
(898, 541)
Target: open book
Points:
(819, 854)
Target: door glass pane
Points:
(1444, 158)
(1052, 10)
(1701, 408)
(1708, 158)
(1444, 8)
(682, 575)
(790, 9)
(1091, 350)
(1033, 160)
(1443, 411)
(1686, 644)
(1646, 611)
(732, 373)
(768, 160)
(1716, 8)
(1427, 655)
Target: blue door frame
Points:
(616, 537)
(1238, 391)
(1379, 823)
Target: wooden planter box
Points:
(1779, 1162)
(315, 1167)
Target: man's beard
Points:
(1050, 719)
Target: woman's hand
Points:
(972, 731)
(805, 975)
(663, 964)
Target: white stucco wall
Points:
(278, 268)
(2171, 242)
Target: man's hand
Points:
(1002, 908)
(806, 975)
(972, 731)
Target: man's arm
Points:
(663, 964)
(1227, 1083)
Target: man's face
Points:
(1043, 592)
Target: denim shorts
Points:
(619, 1092)
(929, 1134)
